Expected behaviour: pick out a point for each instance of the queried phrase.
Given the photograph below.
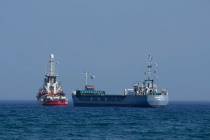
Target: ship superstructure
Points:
(51, 92)
(146, 94)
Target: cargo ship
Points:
(145, 94)
(51, 93)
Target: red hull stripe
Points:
(56, 103)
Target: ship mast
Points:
(51, 75)
(88, 75)
(86, 78)
(52, 65)
(150, 74)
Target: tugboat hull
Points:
(55, 103)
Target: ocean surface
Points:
(27, 120)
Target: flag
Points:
(92, 76)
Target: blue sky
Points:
(108, 38)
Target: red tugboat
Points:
(51, 94)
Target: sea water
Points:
(27, 120)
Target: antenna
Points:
(148, 73)
(155, 76)
(155, 71)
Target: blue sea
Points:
(27, 120)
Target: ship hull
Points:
(55, 103)
(120, 101)
(157, 101)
